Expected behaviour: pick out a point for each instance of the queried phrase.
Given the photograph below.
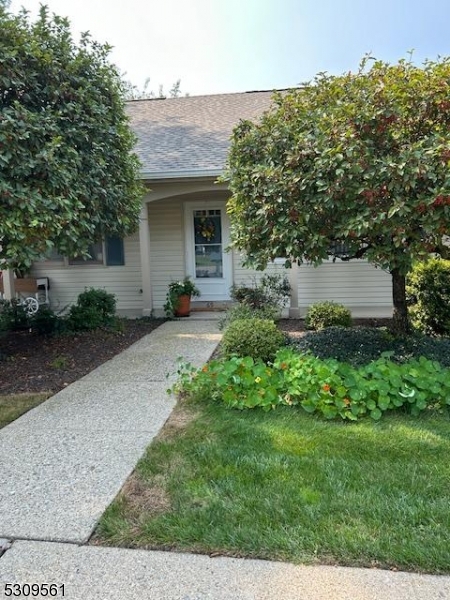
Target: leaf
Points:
(376, 414)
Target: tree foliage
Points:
(67, 172)
(354, 165)
(133, 92)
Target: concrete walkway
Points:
(62, 464)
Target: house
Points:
(184, 227)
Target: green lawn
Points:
(14, 405)
(284, 485)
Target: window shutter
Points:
(115, 255)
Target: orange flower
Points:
(205, 369)
(326, 387)
(283, 366)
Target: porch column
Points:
(9, 290)
(144, 242)
(294, 311)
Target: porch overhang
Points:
(183, 174)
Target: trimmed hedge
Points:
(429, 294)
(327, 314)
(258, 338)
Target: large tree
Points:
(355, 166)
(67, 171)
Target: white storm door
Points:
(207, 236)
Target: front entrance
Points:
(207, 236)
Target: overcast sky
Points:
(217, 46)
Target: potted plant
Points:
(178, 299)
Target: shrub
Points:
(243, 311)
(258, 338)
(13, 316)
(429, 293)
(250, 297)
(327, 387)
(436, 349)
(272, 290)
(45, 321)
(361, 345)
(94, 308)
(327, 314)
(358, 345)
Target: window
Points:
(115, 255)
(95, 252)
(338, 249)
(109, 252)
(208, 244)
(52, 255)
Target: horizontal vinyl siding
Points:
(245, 276)
(167, 255)
(67, 282)
(367, 291)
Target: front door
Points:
(207, 236)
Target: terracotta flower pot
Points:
(184, 306)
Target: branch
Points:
(341, 251)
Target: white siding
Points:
(66, 282)
(167, 254)
(243, 275)
(367, 291)
(358, 285)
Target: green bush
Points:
(12, 316)
(258, 338)
(327, 314)
(94, 308)
(429, 294)
(271, 290)
(361, 345)
(327, 387)
(243, 311)
(45, 321)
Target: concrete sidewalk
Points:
(62, 464)
(91, 573)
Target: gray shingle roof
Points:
(191, 134)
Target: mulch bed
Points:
(37, 363)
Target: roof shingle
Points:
(190, 134)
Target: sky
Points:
(220, 46)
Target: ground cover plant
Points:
(327, 387)
(361, 345)
(285, 485)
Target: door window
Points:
(208, 243)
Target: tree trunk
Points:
(400, 316)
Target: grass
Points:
(287, 486)
(13, 406)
